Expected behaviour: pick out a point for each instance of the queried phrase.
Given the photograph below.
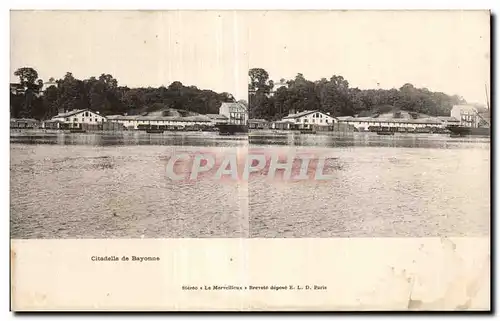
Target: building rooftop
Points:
(216, 116)
(234, 104)
(427, 120)
(345, 117)
(257, 121)
(70, 113)
(465, 106)
(198, 118)
(447, 118)
(24, 119)
(303, 113)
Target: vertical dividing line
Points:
(243, 153)
(236, 59)
(243, 197)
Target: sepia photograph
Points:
(399, 109)
(98, 111)
(258, 160)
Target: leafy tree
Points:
(336, 97)
(103, 94)
(31, 87)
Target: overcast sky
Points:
(205, 49)
(443, 51)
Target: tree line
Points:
(29, 98)
(270, 101)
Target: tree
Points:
(104, 94)
(259, 81)
(27, 76)
(31, 87)
(336, 97)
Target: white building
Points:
(364, 123)
(138, 121)
(218, 119)
(47, 84)
(278, 85)
(308, 118)
(467, 115)
(449, 121)
(77, 117)
(236, 113)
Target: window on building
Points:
(297, 120)
(75, 119)
(86, 114)
(317, 115)
(305, 120)
(326, 121)
(321, 120)
(67, 119)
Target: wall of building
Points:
(84, 117)
(24, 123)
(235, 112)
(364, 125)
(467, 115)
(313, 119)
(335, 127)
(135, 123)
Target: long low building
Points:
(315, 119)
(137, 121)
(24, 123)
(364, 123)
(85, 118)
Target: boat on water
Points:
(230, 129)
(388, 133)
(466, 131)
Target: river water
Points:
(116, 186)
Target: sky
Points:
(444, 51)
(441, 50)
(138, 48)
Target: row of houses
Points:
(237, 113)
(229, 113)
(464, 115)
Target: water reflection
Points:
(378, 192)
(114, 185)
(368, 140)
(128, 138)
